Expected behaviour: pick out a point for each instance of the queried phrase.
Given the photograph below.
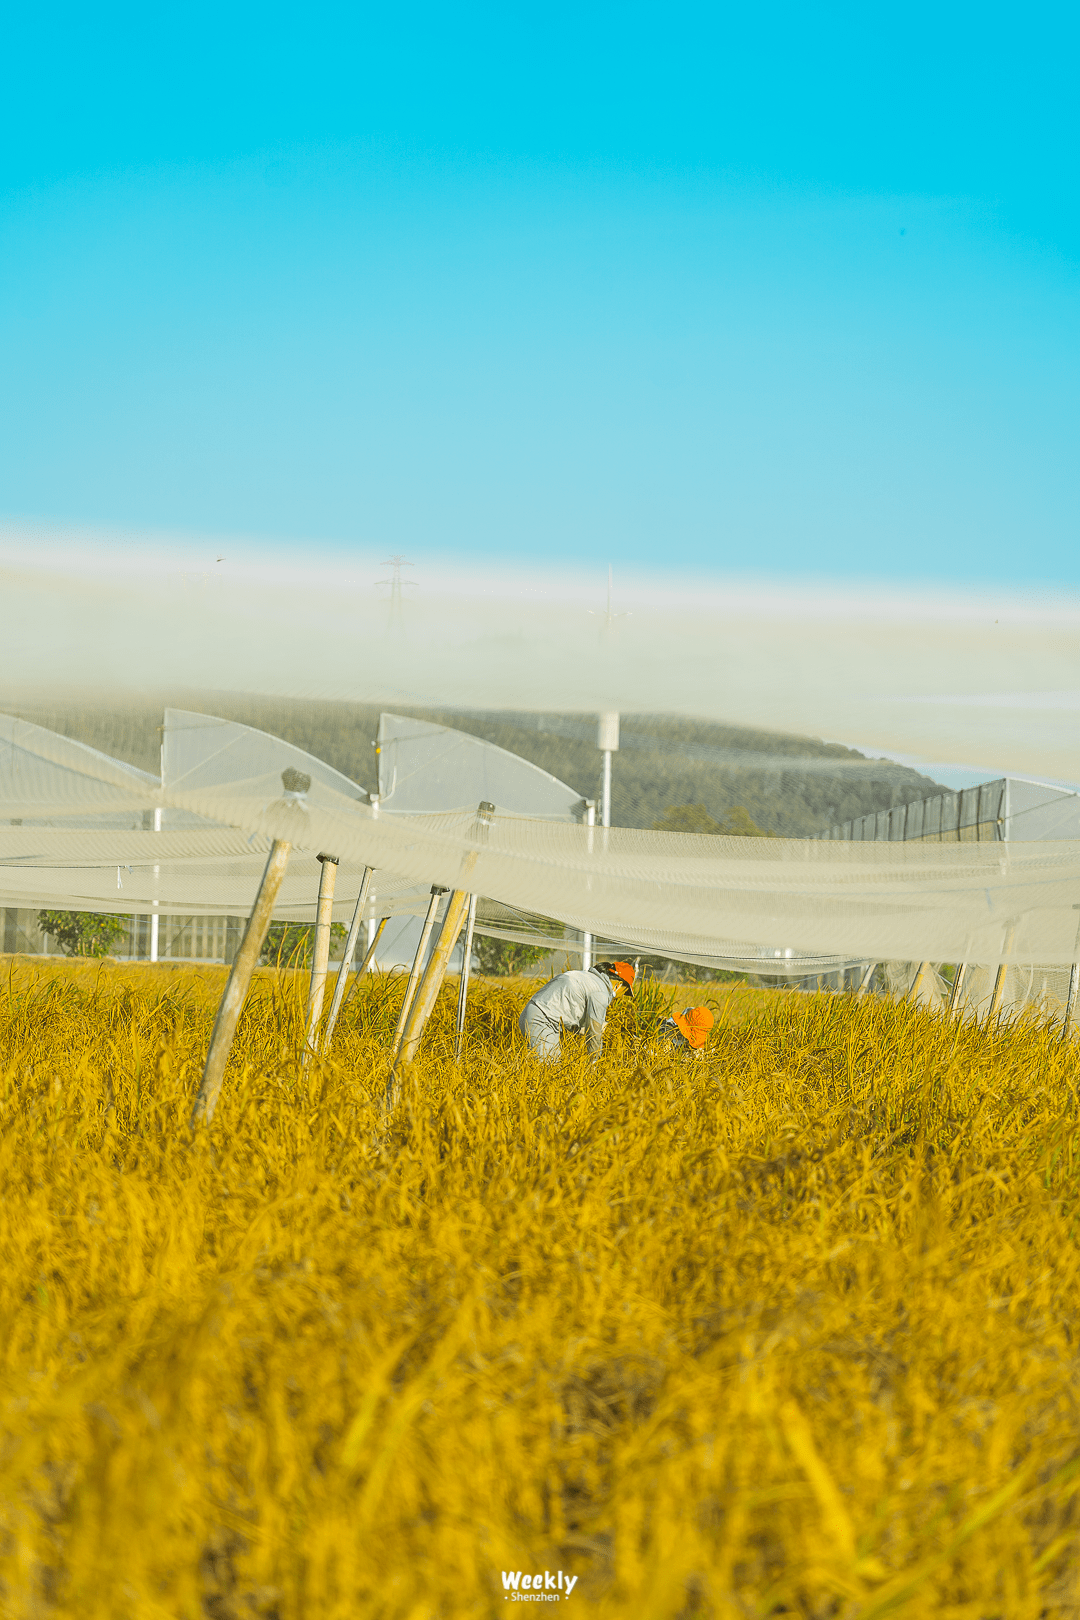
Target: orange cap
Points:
(620, 970)
(695, 1023)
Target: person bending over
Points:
(688, 1030)
(576, 1000)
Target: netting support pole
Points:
(228, 1013)
(864, 982)
(347, 958)
(320, 957)
(587, 939)
(463, 986)
(1074, 984)
(418, 961)
(1003, 968)
(1070, 1001)
(921, 971)
(431, 983)
(154, 919)
(366, 963)
(434, 973)
(957, 985)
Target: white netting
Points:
(771, 906)
(426, 768)
(669, 892)
(46, 777)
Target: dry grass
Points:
(790, 1330)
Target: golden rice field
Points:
(789, 1331)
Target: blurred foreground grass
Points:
(791, 1330)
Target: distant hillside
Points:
(792, 786)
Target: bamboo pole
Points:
(1070, 1004)
(1003, 968)
(366, 963)
(864, 982)
(923, 970)
(228, 1013)
(418, 962)
(463, 985)
(320, 956)
(1074, 984)
(957, 985)
(434, 974)
(407, 1043)
(347, 958)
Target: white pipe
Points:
(587, 939)
(463, 983)
(154, 917)
(605, 796)
(347, 959)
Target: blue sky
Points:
(711, 290)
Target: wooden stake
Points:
(418, 962)
(347, 958)
(320, 958)
(463, 986)
(228, 1013)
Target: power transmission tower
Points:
(609, 616)
(397, 621)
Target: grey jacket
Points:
(578, 1001)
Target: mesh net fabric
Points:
(670, 893)
(424, 767)
(196, 872)
(44, 776)
(773, 906)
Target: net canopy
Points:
(424, 767)
(770, 905)
(667, 893)
(46, 777)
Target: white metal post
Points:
(154, 915)
(607, 740)
(587, 939)
(1074, 984)
(347, 959)
(463, 983)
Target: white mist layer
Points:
(946, 676)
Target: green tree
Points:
(83, 933)
(504, 956)
(291, 944)
(687, 818)
(695, 818)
